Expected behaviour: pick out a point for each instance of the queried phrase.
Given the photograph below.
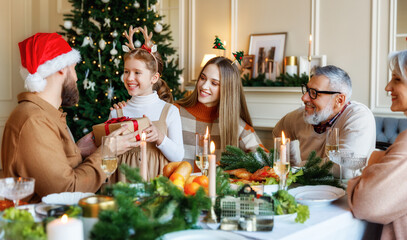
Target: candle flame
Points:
(310, 38)
(212, 147)
(64, 218)
(143, 136)
(282, 137)
(207, 133)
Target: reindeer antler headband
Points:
(148, 45)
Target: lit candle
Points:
(143, 163)
(283, 149)
(309, 47)
(206, 138)
(65, 229)
(212, 171)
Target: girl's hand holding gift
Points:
(153, 134)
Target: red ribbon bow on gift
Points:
(121, 119)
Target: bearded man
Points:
(327, 105)
(37, 142)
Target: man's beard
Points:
(70, 93)
(318, 117)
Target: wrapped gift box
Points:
(134, 125)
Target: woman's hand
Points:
(125, 142)
(153, 134)
(119, 105)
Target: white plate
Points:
(202, 235)
(68, 198)
(316, 195)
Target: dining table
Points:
(331, 221)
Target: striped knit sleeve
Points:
(248, 139)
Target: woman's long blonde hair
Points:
(232, 104)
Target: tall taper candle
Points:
(309, 48)
(143, 163)
(206, 139)
(212, 171)
(283, 149)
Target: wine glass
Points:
(332, 141)
(201, 152)
(109, 155)
(281, 163)
(16, 188)
(354, 162)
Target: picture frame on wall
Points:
(269, 51)
(247, 66)
(316, 61)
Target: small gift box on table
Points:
(134, 125)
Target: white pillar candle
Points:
(65, 229)
(143, 163)
(212, 171)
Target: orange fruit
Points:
(175, 176)
(179, 183)
(191, 188)
(202, 180)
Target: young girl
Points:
(150, 97)
(217, 102)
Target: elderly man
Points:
(327, 105)
(36, 141)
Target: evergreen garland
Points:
(284, 80)
(161, 208)
(314, 171)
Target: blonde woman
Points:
(217, 102)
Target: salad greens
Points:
(284, 203)
(19, 225)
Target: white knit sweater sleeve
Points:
(173, 146)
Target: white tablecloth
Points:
(334, 221)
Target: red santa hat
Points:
(43, 55)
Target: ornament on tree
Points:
(180, 79)
(116, 63)
(114, 33)
(114, 52)
(137, 43)
(88, 41)
(68, 24)
(110, 92)
(218, 44)
(96, 23)
(107, 22)
(136, 4)
(102, 44)
(238, 56)
(91, 86)
(158, 27)
(75, 118)
(85, 130)
(154, 8)
(105, 1)
(122, 77)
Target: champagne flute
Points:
(109, 155)
(201, 152)
(281, 163)
(332, 141)
(16, 188)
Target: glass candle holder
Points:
(282, 159)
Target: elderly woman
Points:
(380, 194)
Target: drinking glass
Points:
(109, 155)
(201, 152)
(338, 156)
(16, 188)
(281, 164)
(332, 141)
(354, 162)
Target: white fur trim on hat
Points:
(36, 82)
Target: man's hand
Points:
(125, 142)
(87, 145)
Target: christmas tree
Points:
(218, 44)
(96, 28)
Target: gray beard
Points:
(318, 117)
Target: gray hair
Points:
(339, 80)
(398, 63)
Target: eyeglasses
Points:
(313, 93)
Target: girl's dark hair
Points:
(154, 64)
